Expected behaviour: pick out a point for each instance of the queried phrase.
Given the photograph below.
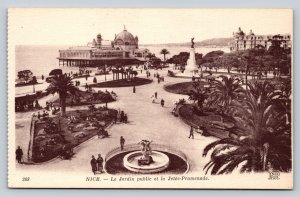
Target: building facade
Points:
(242, 41)
(124, 48)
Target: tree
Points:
(213, 55)
(228, 61)
(199, 94)
(266, 139)
(249, 58)
(277, 52)
(225, 90)
(156, 61)
(64, 86)
(179, 59)
(164, 52)
(150, 55)
(106, 97)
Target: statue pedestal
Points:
(191, 66)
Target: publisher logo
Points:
(274, 175)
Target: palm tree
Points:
(265, 141)
(64, 86)
(164, 52)
(199, 94)
(225, 91)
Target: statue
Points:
(193, 43)
(146, 159)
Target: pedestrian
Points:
(122, 142)
(191, 132)
(122, 116)
(42, 77)
(86, 86)
(94, 164)
(133, 89)
(125, 118)
(37, 105)
(39, 115)
(100, 163)
(162, 102)
(19, 154)
(86, 77)
(116, 117)
(155, 94)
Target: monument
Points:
(191, 66)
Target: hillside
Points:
(218, 42)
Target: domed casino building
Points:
(124, 49)
(126, 41)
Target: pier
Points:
(72, 62)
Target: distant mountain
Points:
(217, 42)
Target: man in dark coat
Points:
(122, 142)
(19, 154)
(191, 133)
(162, 102)
(100, 163)
(94, 164)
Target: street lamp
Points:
(105, 71)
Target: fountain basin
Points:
(161, 162)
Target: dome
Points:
(251, 33)
(125, 37)
(239, 33)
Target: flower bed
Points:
(88, 98)
(54, 133)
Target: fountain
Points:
(146, 161)
(141, 158)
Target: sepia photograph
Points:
(150, 98)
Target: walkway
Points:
(146, 121)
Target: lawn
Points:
(181, 88)
(212, 124)
(122, 83)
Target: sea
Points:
(42, 59)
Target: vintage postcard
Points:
(150, 98)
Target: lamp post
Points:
(105, 71)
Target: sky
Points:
(152, 26)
